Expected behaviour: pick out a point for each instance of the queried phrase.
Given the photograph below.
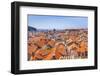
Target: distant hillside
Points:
(31, 29)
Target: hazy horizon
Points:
(57, 22)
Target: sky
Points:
(57, 22)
